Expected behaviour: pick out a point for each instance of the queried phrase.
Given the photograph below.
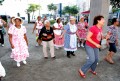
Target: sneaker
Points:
(24, 62)
(37, 45)
(78, 45)
(2, 45)
(82, 45)
(18, 64)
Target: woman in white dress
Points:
(58, 27)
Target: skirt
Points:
(58, 42)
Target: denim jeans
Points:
(92, 60)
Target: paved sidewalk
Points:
(61, 69)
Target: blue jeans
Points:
(91, 63)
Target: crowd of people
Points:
(70, 37)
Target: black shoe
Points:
(46, 57)
(73, 54)
(68, 55)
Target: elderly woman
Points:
(58, 27)
(2, 23)
(18, 41)
(47, 36)
(92, 46)
(70, 38)
(82, 31)
(38, 26)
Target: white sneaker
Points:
(37, 45)
(78, 45)
(2, 45)
(18, 64)
(24, 62)
(82, 45)
(57, 48)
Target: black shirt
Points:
(46, 35)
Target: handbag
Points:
(3, 31)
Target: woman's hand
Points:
(49, 37)
(98, 45)
(61, 36)
(27, 43)
(12, 46)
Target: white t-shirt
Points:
(58, 32)
(39, 24)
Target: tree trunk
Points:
(28, 17)
(33, 15)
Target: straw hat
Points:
(82, 17)
(13, 20)
(72, 18)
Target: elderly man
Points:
(47, 36)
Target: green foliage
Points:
(1, 1)
(52, 22)
(32, 8)
(115, 10)
(52, 7)
(115, 3)
(71, 10)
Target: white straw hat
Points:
(72, 18)
(13, 20)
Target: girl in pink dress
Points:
(18, 41)
(58, 40)
(82, 31)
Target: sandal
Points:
(93, 72)
(82, 75)
(109, 61)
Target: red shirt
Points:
(96, 37)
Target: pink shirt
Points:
(96, 37)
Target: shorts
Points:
(112, 47)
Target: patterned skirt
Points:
(58, 42)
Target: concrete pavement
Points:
(60, 69)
